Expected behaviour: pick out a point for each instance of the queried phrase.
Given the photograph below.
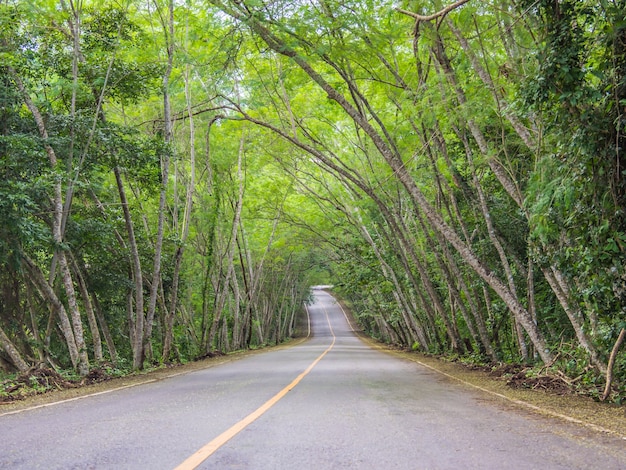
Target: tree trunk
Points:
(559, 287)
(555, 277)
(178, 256)
(482, 203)
(91, 317)
(230, 250)
(609, 374)
(56, 306)
(15, 356)
(105, 329)
(136, 337)
(414, 331)
(238, 324)
(77, 324)
(168, 135)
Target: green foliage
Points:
(576, 193)
(313, 180)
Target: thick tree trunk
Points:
(56, 306)
(15, 356)
(77, 324)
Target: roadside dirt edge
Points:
(56, 397)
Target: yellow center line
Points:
(208, 449)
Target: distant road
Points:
(331, 402)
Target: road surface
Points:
(331, 402)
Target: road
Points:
(331, 402)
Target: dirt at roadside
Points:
(97, 381)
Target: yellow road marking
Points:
(207, 450)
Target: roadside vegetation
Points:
(175, 175)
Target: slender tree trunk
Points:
(414, 331)
(609, 375)
(482, 202)
(559, 287)
(498, 170)
(482, 72)
(253, 302)
(238, 324)
(91, 317)
(453, 277)
(178, 256)
(507, 183)
(247, 304)
(105, 329)
(555, 278)
(77, 325)
(455, 213)
(137, 323)
(231, 248)
(165, 169)
(41, 352)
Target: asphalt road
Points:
(331, 402)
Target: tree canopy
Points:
(176, 175)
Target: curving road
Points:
(328, 403)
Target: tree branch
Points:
(441, 13)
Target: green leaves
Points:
(535, 91)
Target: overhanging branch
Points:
(441, 13)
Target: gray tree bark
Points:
(138, 321)
(12, 352)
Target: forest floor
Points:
(546, 397)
